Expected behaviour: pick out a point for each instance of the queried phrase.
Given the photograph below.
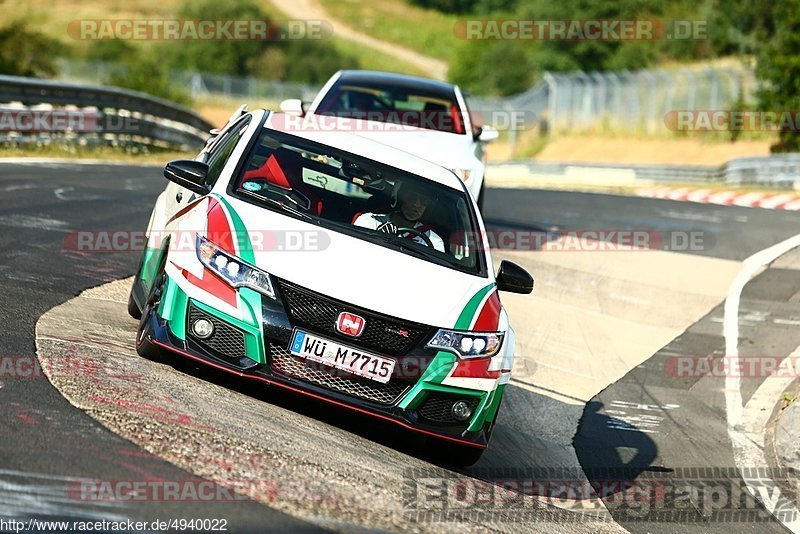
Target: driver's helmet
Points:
(405, 190)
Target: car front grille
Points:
(438, 408)
(284, 363)
(227, 340)
(383, 334)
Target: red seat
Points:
(287, 174)
(270, 171)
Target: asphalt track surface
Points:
(45, 441)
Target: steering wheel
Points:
(425, 238)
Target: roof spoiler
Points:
(241, 110)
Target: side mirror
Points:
(513, 278)
(293, 106)
(188, 173)
(487, 134)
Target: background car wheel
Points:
(445, 452)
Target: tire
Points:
(144, 347)
(444, 452)
(133, 308)
(481, 196)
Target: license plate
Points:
(331, 353)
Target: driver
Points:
(410, 201)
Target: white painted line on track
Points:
(746, 423)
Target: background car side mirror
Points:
(513, 278)
(487, 134)
(188, 173)
(293, 106)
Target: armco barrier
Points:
(120, 115)
(779, 171)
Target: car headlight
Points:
(467, 344)
(464, 174)
(232, 269)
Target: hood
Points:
(356, 271)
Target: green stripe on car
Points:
(251, 300)
(443, 362)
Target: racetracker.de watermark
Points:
(737, 367)
(580, 30)
(24, 120)
(20, 367)
(514, 495)
(592, 240)
(398, 121)
(725, 120)
(589, 240)
(170, 490)
(101, 241)
(198, 29)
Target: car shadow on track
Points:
(557, 450)
(612, 452)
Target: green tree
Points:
(493, 67)
(25, 52)
(148, 74)
(222, 57)
(779, 68)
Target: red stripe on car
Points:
(478, 368)
(489, 318)
(213, 284)
(219, 230)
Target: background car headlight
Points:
(233, 269)
(467, 344)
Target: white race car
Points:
(425, 117)
(335, 267)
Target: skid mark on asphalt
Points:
(633, 416)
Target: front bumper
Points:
(414, 398)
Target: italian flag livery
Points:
(413, 343)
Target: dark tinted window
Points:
(222, 150)
(358, 196)
(432, 110)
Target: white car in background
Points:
(424, 117)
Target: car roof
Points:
(406, 82)
(338, 137)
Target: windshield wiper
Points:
(273, 202)
(400, 243)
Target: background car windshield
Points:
(382, 103)
(356, 195)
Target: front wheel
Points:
(144, 347)
(133, 308)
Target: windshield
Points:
(377, 102)
(361, 197)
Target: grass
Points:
(53, 18)
(425, 31)
(373, 60)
